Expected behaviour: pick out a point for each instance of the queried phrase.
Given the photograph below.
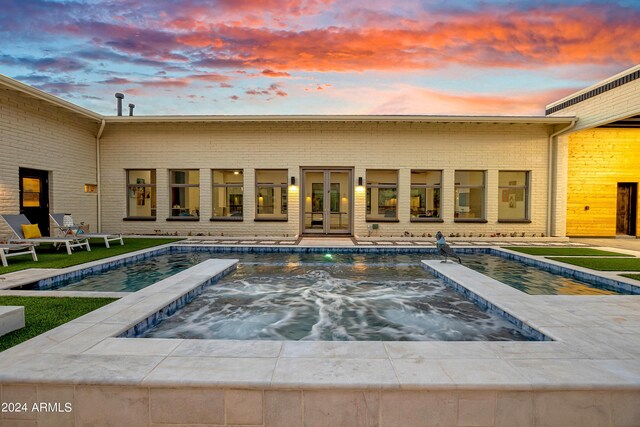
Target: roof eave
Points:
(344, 118)
(52, 99)
(594, 86)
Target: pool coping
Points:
(596, 346)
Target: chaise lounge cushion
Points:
(31, 231)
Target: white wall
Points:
(249, 146)
(34, 134)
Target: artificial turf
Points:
(49, 257)
(603, 264)
(632, 276)
(45, 313)
(547, 251)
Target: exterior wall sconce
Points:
(293, 186)
(360, 187)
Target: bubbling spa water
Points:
(333, 302)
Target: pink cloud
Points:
(405, 99)
(271, 73)
(273, 89)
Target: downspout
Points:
(551, 182)
(98, 174)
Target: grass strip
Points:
(632, 276)
(547, 251)
(45, 313)
(603, 264)
(49, 257)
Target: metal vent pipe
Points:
(120, 97)
(131, 107)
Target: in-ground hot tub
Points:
(334, 298)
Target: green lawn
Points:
(45, 313)
(632, 276)
(553, 251)
(49, 257)
(603, 264)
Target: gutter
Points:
(341, 119)
(102, 124)
(551, 181)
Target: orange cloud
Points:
(271, 73)
(512, 39)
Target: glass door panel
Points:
(313, 199)
(340, 202)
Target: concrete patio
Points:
(589, 375)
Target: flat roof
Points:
(342, 118)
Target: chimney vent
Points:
(131, 107)
(120, 97)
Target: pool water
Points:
(530, 279)
(143, 273)
(333, 302)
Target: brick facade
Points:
(249, 146)
(37, 135)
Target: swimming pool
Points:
(328, 301)
(140, 273)
(532, 280)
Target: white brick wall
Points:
(37, 135)
(250, 146)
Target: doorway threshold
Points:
(326, 241)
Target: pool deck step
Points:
(11, 319)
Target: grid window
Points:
(271, 194)
(185, 193)
(513, 200)
(469, 195)
(382, 195)
(141, 193)
(425, 194)
(228, 189)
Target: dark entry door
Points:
(627, 208)
(34, 197)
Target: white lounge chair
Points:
(7, 250)
(15, 223)
(75, 230)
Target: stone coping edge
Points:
(175, 305)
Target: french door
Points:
(34, 197)
(327, 201)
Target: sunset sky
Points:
(317, 56)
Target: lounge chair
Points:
(6, 251)
(15, 223)
(76, 231)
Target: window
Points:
(469, 195)
(227, 194)
(185, 194)
(141, 193)
(382, 195)
(513, 200)
(425, 195)
(31, 192)
(271, 194)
